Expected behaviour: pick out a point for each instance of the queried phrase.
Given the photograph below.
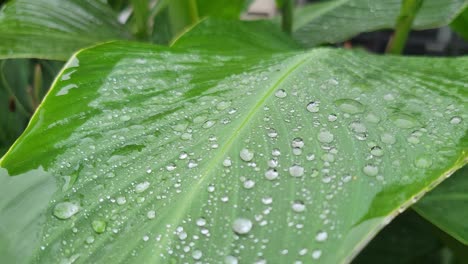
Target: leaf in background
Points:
(20, 94)
(230, 9)
(408, 239)
(54, 29)
(337, 20)
(446, 206)
(460, 24)
(177, 154)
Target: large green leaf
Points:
(54, 29)
(460, 24)
(447, 205)
(177, 154)
(337, 20)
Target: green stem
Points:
(287, 15)
(408, 11)
(37, 85)
(20, 106)
(182, 14)
(141, 15)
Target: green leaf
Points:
(460, 24)
(230, 9)
(408, 239)
(54, 29)
(446, 206)
(338, 20)
(190, 154)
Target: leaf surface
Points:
(179, 154)
(337, 20)
(54, 29)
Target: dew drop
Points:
(388, 138)
(272, 133)
(281, 93)
(121, 200)
(246, 155)
(276, 152)
(197, 254)
(370, 170)
(66, 210)
(325, 136)
(455, 120)
(151, 214)
(313, 107)
(201, 222)
(350, 106)
(423, 162)
(99, 226)
(271, 174)
(267, 200)
(223, 105)
(171, 167)
(296, 170)
(227, 162)
(321, 236)
(332, 117)
(404, 120)
(249, 184)
(377, 151)
(209, 124)
(242, 226)
(297, 143)
(192, 164)
(230, 260)
(141, 187)
(316, 254)
(298, 206)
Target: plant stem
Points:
(287, 15)
(182, 14)
(408, 11)
(141, 14)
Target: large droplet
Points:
(242, 226)
(246, 155)
(66, 210)
(325, 136)
(404, 120)
(350, 106)
(296, 170)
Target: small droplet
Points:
(350, 106)
(455, 120)
(197, 254)
(273, 163)
(272, 133)
(377, 151)
(321, 236)
(325, 136)
(404, 120)
(246, 155)
(209, 124)
(171, 167)
(281, 93)
(371, 170)
(227, 162)
(66, 210)
(192, 164)
(249, 184)
(271, 174)
(223, 105)
(121, 200)
(230, 260)
(332, 117)
(313, 107)
(298, 206)
(297, 143)
(267, 200)
(276, 152)
(388, 138)
(316, 254)
(242, 226)
(423, 162)
(99, 226)
(201, 222)
(372, 118)
(296, 170)
(151, 214)
(211, 188)
(141, 187)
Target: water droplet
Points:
(350, 106)
(276, 152)
(209, 124)
(358, 127)
(388, 138)
(423, 162)
(267, 200)
(273, 163)
(211, 188)
(99, 226)
(151, 214)
(371, 170)
(186, 136)
(281, 93)
(372, 118)
(227, 162)
(171, 167)
(271, 174)
(66, 210)
(404, 120)
(246, 155)
(249, 184)
(332, 117)
(230, 260)
(201, 222)
(121, 200)
(183, 155)
(296, 170)
(297, 143)
(325, 136)
(141, 187)
(298, 206)
(223, 105)
(377, 151)
(242, 226)
(197, 254)
(455, 120)
(316, 254)
(321, 236)
(90, 240)
(313, 107)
